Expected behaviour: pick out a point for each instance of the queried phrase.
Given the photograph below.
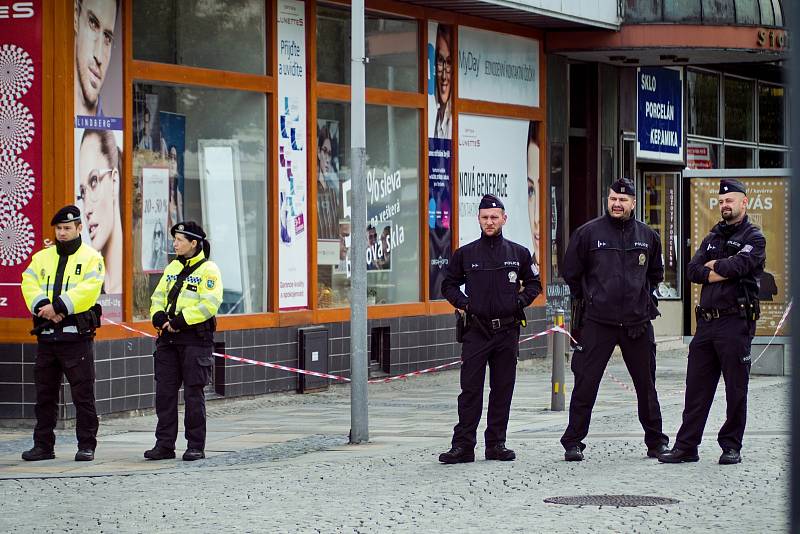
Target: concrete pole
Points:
(794, 121)
(359, 419)
(557, 396)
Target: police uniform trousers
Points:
(75, 359)
(720, 346)
(190, 366)
(598, 342)
(500, 351)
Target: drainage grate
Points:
(611, 500)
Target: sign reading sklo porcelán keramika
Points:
(659, 122)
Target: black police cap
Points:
(624, 186)
(67, 214)
(490, 201)
(190, 229)
(731, 185)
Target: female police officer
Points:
(182, 309)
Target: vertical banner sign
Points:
(768, 204)
(659, 117)
(492, 159)
(98, 138)
(497, 67)
(441, 57)
(292, 179)
(20, 147)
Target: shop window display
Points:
(224, 34)
(200, 154)
(392, 233)
(660, 211)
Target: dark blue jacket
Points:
(740, 251)
(493, 269)
(614, 265)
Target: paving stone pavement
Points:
(281, 463)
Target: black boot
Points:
(676, 456)
(38, 453)
(573, 454)
(159, 453)
(457, 455)
(653, 452)
(499, 452)
(84, 455)
(730, 456)
(193, 454)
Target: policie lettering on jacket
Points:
(613, 265)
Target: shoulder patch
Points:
(210, 283)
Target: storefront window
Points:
(224, 34)
(771, 114)
(771, 159)
(661, 214)
(703, 91)
(737, 157)
(392, 233)
(200, 154)
(701, 155)
(739, 109)
(392, 47)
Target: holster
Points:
(578, 306)
(88, 321)
(461, 325)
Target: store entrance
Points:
(583, 148)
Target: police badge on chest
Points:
(512, 277)
(642, 259)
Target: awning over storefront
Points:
(544, 14)
(663, 32)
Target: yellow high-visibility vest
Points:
(82, 280)
(200, 296)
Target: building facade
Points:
(236, 115)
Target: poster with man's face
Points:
(98, 111)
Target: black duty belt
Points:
(709, 314)
(499, 322)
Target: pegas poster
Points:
(501, 157)
(768, 204)
(21, 225)
(440, 133)
(98, 138)
(292, 173)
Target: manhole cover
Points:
(611, 500)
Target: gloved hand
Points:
(636, 331)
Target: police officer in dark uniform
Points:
(493, 268)
(728, 264)
(61, 287)
(183, 309)
(612, 265)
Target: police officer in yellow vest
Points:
(61, 287)
(182, 309)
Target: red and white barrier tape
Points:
(554, 329)
(777, 329)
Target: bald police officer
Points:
(728, 265)
(61, 287)
(183, 309)
(501, 281)
(612, 265)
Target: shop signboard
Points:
(20, 148)
(493, 157)
(496, 67)
(441, 56)
(768, 206)
(292, 174)
(659, 117)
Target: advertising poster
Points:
(292, 185)
(155, 228)
(173, 144)
(499, 156)
(659, 117)
(768, 204)
(497, 68)
(98, 138)
(440, 134)
(21, 228)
